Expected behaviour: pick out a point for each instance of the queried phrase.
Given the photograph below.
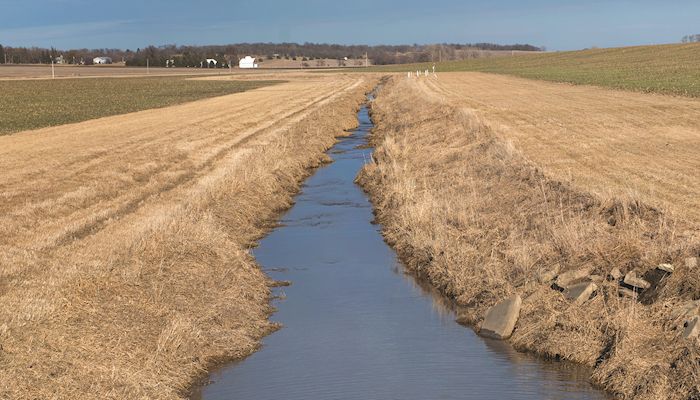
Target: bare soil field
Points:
(489, 186)
(312, 64)
(13, 71)
(124, 263)
(612, 143)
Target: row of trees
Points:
(38, 55)
(691, 38)
(191, 56)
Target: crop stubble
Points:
(124, 269)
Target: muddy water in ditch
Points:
(357, 327)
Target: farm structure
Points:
(102, 60)
(247, 62)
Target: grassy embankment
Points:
(467, 211)
(33, 104)
(667, 69)
(124, 262)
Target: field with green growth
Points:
(668, 69)
(32, 104)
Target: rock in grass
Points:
(691, 262)
(692, 328)
(627, 293)
(500, 319)
(633, 280)
(666, 268)
(688, 310)
(580, 293)
(615, 274)
(570, 277)
(550, 275)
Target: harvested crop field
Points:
(34, 104)
(613, 143)
(490, 186)
(33, 71)
(124, 264)
(668, 69)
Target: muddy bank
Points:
(133, 288)
(465, 210)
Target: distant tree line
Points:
(691, 38)
(195, 56)
(38, 55)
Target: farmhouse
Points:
(247, 62)
(102, 60)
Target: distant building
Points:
(60, 60)
(247, 62)
(101, 60)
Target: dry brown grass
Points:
(603, 141)
(467, 210)
(124, 269)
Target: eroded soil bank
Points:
(464, 209)
(356, 325)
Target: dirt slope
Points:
(609, 142)
(124, 269)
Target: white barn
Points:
(101, 60)
(247, 62)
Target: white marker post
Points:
(148, 66)
(53, 71)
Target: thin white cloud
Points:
(47, 35)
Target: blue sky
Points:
(558, 25)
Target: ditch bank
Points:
(141, 306)
(467, 212)
(357, 325)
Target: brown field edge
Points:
(469, 212)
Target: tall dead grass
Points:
(467, 211)
(143, 306)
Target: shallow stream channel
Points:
(357, 326)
